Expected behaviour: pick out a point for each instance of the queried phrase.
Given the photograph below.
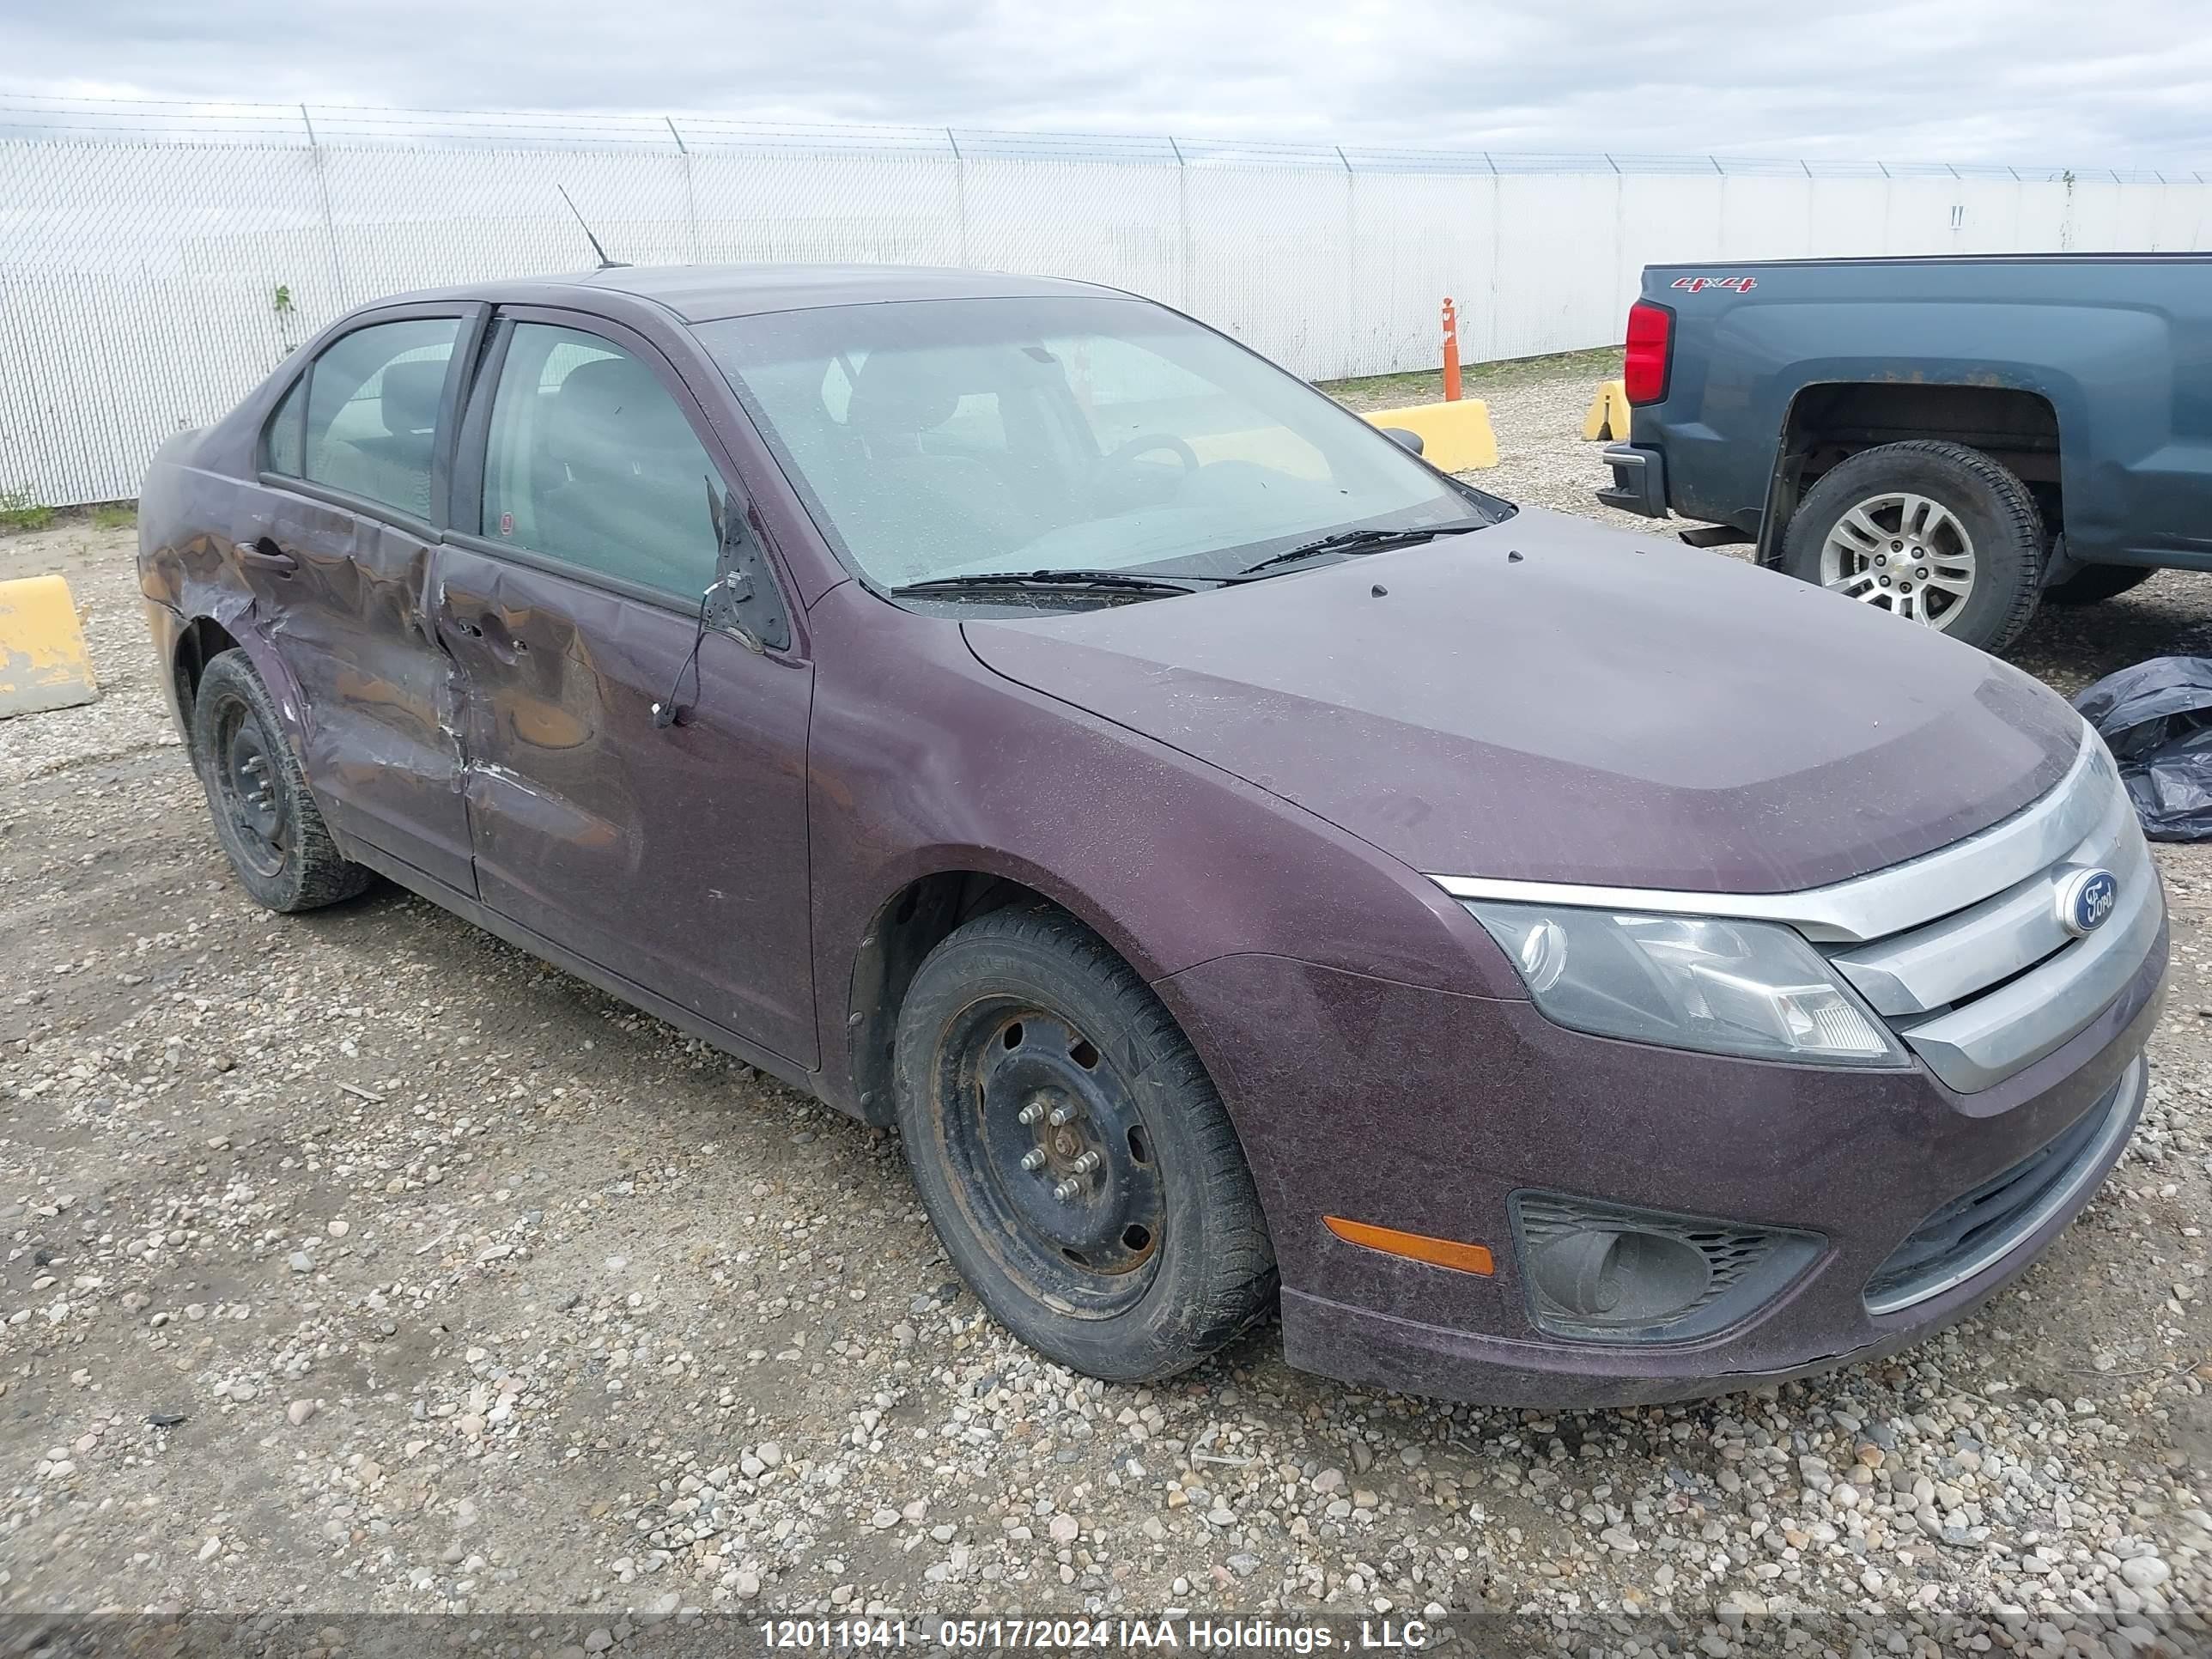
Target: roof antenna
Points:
(606, 263)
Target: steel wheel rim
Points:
(1904, 553)
(246, 786)
(1066, 1187)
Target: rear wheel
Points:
(1072, 1153)
(264, 817)
(2092, 582)
(1932, 532)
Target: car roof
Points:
(701, 294)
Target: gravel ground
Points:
(357, 1261)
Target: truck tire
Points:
(2092, 582)
(1072, 1152)
(1933, 531)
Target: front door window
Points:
(591, 461)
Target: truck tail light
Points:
(1651, 347)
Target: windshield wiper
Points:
(983, 580)
(1361, 541)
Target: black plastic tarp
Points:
(2157, 719)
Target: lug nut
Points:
(1086, 1164)
(1062, 1115)
(1030, 1113)
(1066, 1189)
(1033, 1160)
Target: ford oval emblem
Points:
(2086, 898)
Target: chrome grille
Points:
(1997, 981)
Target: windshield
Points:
(944, 438)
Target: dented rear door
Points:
(335, 543)
(382, 714)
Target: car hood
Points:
(1548, 699)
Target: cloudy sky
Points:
(2120, 82)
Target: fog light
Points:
(1609, 1272)
(1626, 1278)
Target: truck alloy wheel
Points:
(1932, 532)
(1902, 552)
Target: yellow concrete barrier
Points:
(1454, 436)
(1609, 412)
(43, 661)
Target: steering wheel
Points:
(1144, 444)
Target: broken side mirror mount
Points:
(744, 600)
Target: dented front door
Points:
(675, 855)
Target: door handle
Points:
(265, 554)
(489, 627)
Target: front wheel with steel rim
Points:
(1072, 1153)
(264, 817)
(1932, 532)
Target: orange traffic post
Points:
(1451, 352)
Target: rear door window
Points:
(280, 440)
(372, 418)
(590, 460)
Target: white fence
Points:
(153, 268)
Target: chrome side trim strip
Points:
(1883, 902)
(2127, 1097)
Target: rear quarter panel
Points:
(195, 494)
(187, 511)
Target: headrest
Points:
(613, 412)
(410, 394)
(900, 393)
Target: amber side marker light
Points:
(1415, 1247)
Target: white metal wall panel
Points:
(148, 279)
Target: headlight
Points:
(1729, 988)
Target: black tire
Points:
(264, 816)
(1987, 500)
(2092, 582)
(1025, 1007)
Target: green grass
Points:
(1428, 385)
(115, 515)
(19, 510)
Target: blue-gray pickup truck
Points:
(1954, 439)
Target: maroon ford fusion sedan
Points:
(1238, 856)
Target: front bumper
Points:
(1639, 480)
(1424, 1111)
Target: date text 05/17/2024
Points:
(1072, 1636)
